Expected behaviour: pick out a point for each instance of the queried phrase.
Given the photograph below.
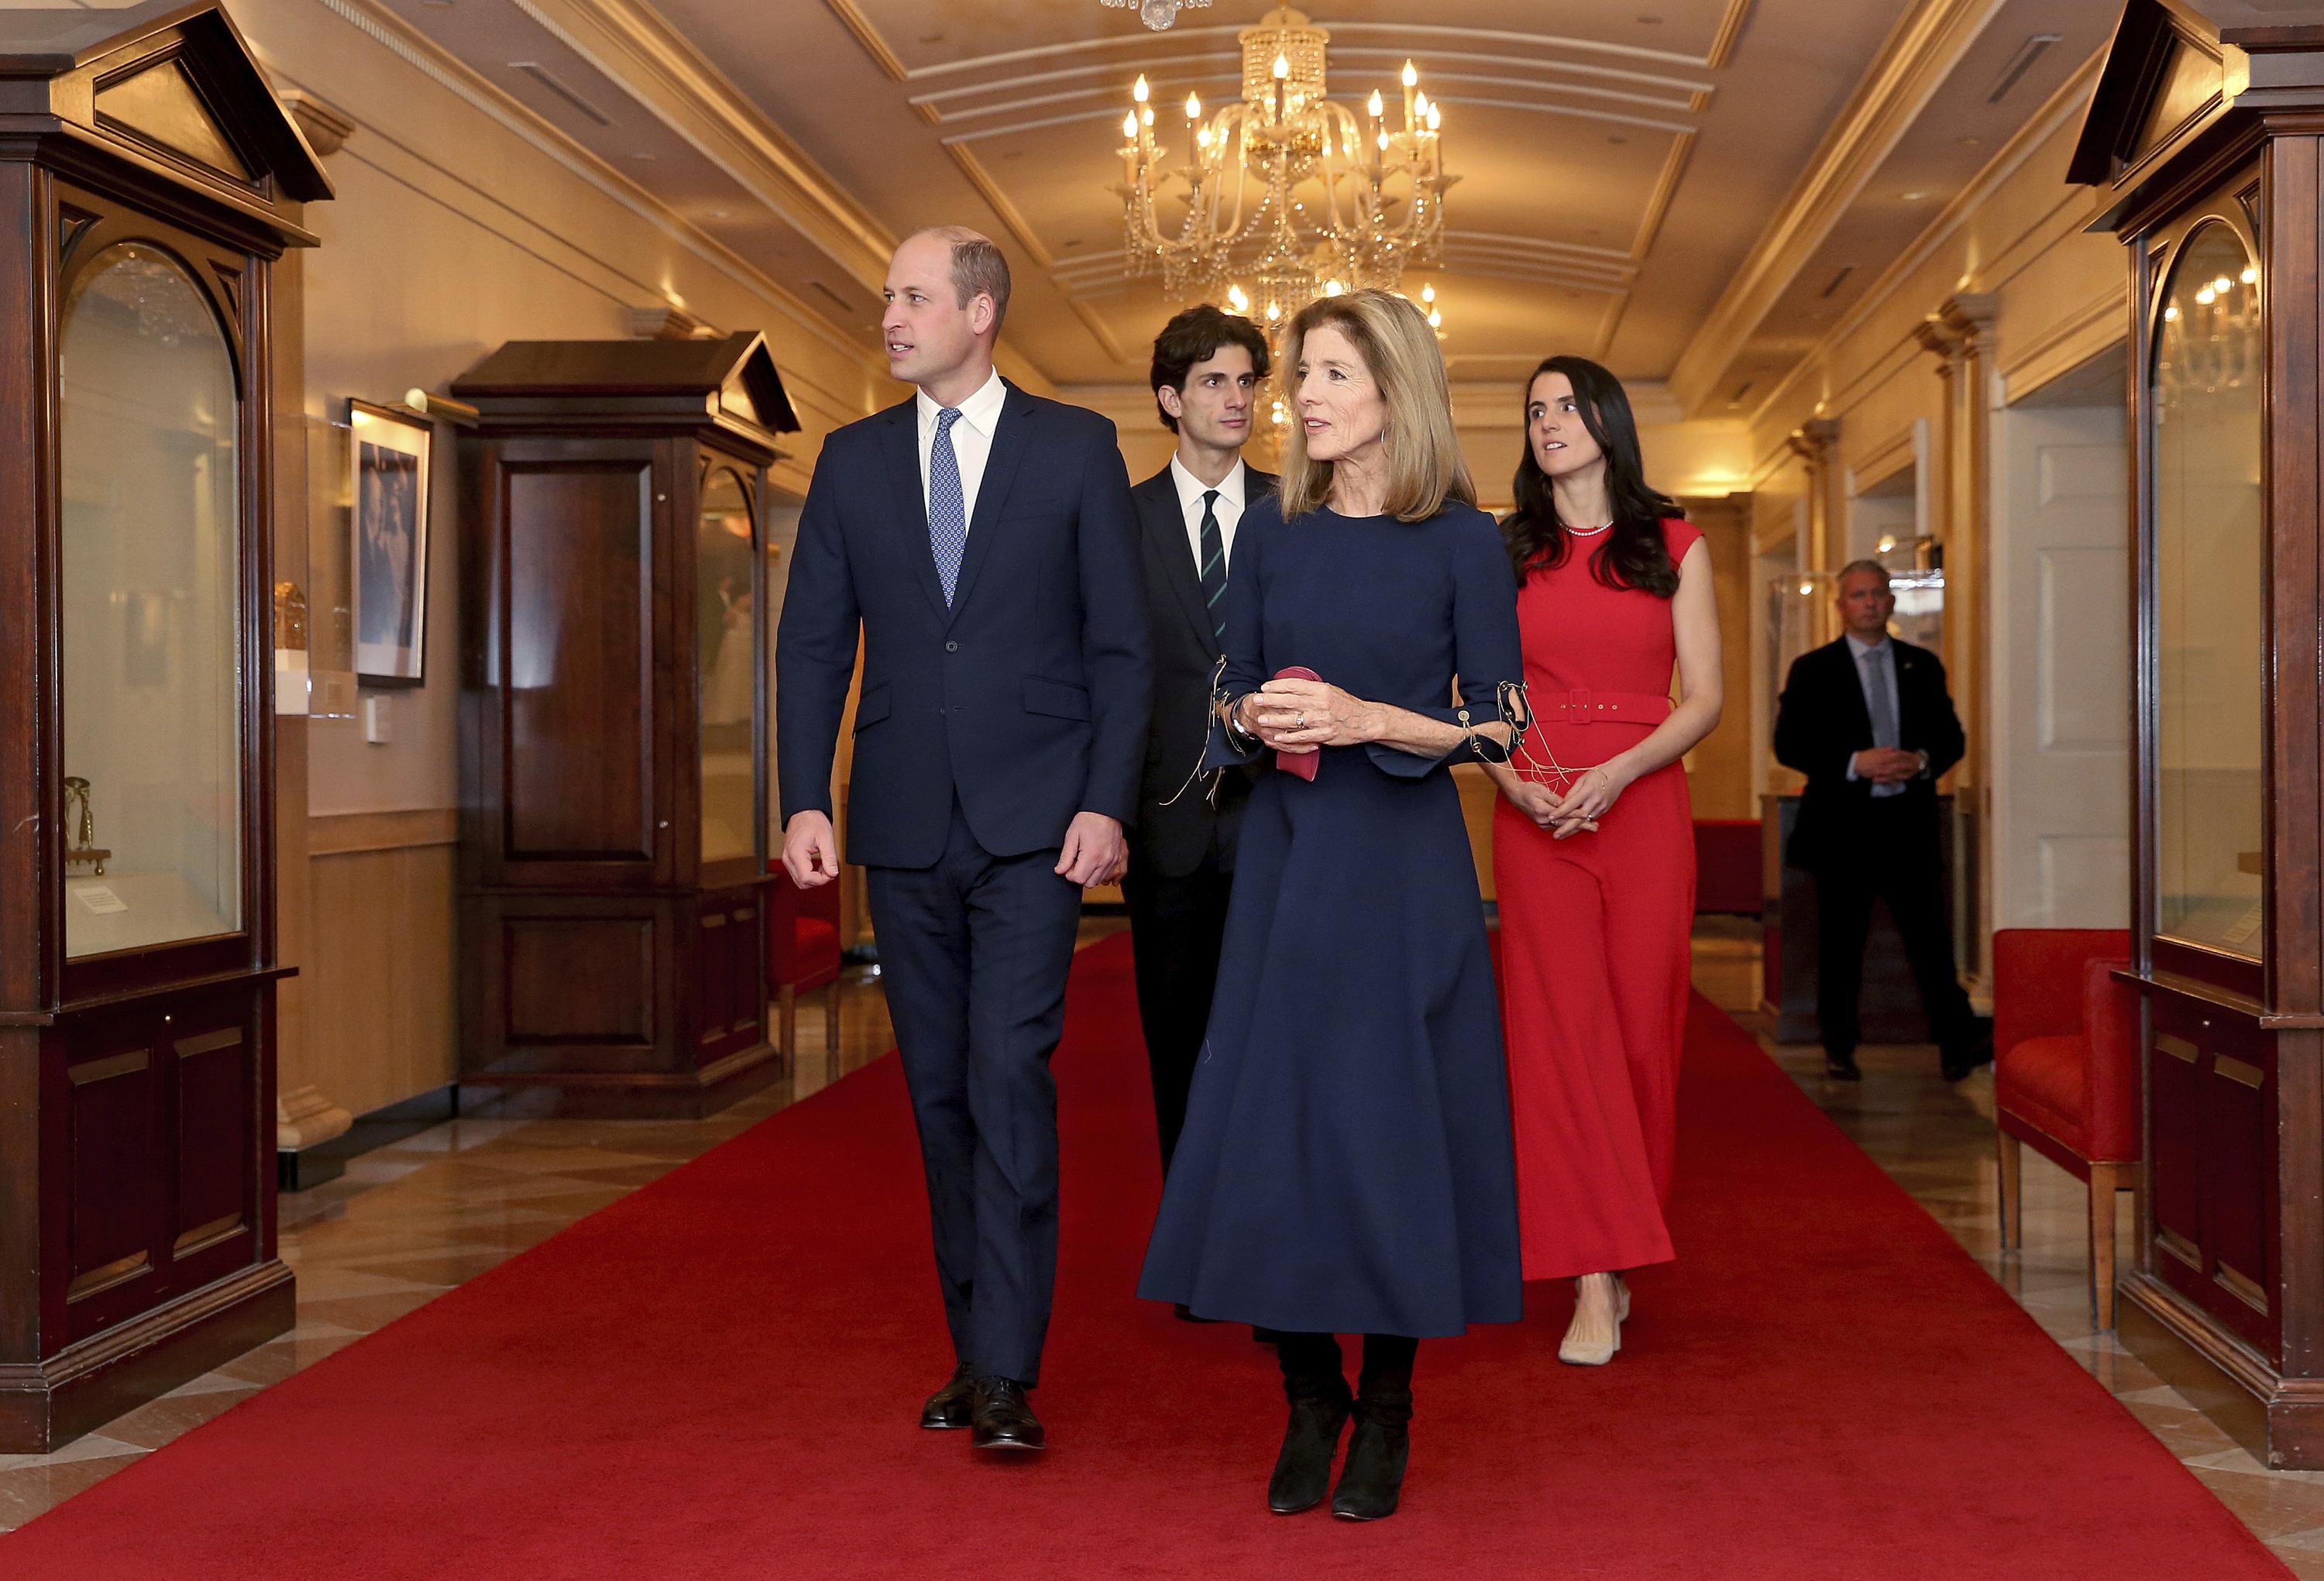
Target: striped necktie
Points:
(948, 506)
(1214, 562)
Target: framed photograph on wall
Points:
(387, 558)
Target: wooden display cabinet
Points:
(2210, 151)
(148, 181)
(613, 759)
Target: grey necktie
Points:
(947, 504)
(1876, 700)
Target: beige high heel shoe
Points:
(1574, 1353)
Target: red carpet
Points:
(718, 1376)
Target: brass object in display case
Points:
(80, 829)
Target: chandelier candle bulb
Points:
(1411, 84)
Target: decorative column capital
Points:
(1961, 327)
(665, 321)
(1813, 441)
(328, 127)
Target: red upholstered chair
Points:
(1726, 856)
(803, 955)
(2066, 1080)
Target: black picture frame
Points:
(389, 452)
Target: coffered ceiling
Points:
(1693, 190)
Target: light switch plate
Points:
(375, 719)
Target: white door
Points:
(2061, 664)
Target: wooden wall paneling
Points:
(382, 975)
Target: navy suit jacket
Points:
(1822, 723)
(1026, 699)
(1174, 836)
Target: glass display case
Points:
(157, 180)
(2202, 147)
(2209, 561)
(151, 596)
(613, 951)
(728, 635)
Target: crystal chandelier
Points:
(1285, 189)
(1156, 14)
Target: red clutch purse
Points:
(1303, 764)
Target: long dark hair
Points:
(1632, 554)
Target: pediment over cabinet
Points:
(171, 89)
(2165, 79)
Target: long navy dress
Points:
(1346, 1165)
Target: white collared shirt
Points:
(972, 439)
(1228, 510)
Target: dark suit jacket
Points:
(1821, 723)
(1026, 699)
(1173, 840)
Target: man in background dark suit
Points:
(982, 542)
(1869, 721)
(1205, 374)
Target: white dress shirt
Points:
(1875, 665)
(972, 439)
(1228, 510)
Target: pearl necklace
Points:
(1589, 532)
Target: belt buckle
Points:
(1577, 704)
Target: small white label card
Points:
(99, 899)
(2244, 926)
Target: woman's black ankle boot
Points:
(1320, 1402)
(1381, 1445)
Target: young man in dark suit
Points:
(1869, 721)
(1206, 371)
(982, 543)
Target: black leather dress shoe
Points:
(1840, 1067)
(1004, 1418)
(952, 1405)
(1185, 1314)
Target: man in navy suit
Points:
(1869, 721)
(1206, 370)
(984, 543)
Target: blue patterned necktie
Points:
(948, 505)
(1214, 562)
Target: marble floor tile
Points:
(156, 1423)
(33, 1490)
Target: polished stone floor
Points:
(408, 1222)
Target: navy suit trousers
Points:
(976, 1046)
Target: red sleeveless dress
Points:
(1595, 931)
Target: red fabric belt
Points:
(1583, 707)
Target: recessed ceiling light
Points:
(715, 212)
(1069, 241)
(935, 38)
(1915, 196)
(1617, 141)
(645, 157)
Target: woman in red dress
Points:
(1593, 843)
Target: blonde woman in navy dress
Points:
(1346, 1166)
